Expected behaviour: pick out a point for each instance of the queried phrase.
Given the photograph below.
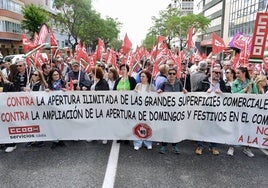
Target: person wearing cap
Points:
(197, 77)
(79, 77)
(185, 76)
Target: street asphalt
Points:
(83, 164)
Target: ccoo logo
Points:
(142, 131)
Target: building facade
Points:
(227, 18)
(10, 24)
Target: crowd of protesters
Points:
(63, 73)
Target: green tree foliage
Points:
(82, 23)
(174, 23)
(34, 17)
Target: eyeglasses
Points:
(35, 74)
(172, 73)
(217, 72)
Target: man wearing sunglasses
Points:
(20, 82)
(21, 78)
(171, 85)
(212, 83)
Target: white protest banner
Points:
(235, 119)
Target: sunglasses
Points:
(19, 65)
(217, 72)
(172, 73)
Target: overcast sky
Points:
(135, 15)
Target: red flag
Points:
(43, 34)
(53, 40)
(27, 44)
(53, 43)
(81, 53)
(70, 85)
(127, 45)
(100, 49)
(110, 58)
(218, 44)
(190, 43)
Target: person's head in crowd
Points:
(124, 69)
(218, 65)
(170, 63)
(145, 77)
(102, 66)
(54, 74)
(202, 66)
(172, 74)
(54, 63)
(183, 66)
(46, 68)
(209, 62)
(37, 76)
(265, 60)
(163, 69)
(226, 65)
(13, 71)
(255, 74)
(148, 65)
(113, 74)
(7, 63)
(216, 73)
(242, 74)
(261, 82)
(230, 74)
(75, 65)
(196, 60)
(251, 68)
(97, 73)
(21, 65)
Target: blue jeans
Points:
(138, 143)
(201, 144)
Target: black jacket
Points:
(132, 82)
(206, 85)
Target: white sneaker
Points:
(230, 151)
(248, 152)
(136, 148)
(104, 142)
(10, 149)
(149, 147)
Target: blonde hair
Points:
(3, 78)
(258, 80)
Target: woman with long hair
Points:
(243, 84)
(112, 77)
(144, 86)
